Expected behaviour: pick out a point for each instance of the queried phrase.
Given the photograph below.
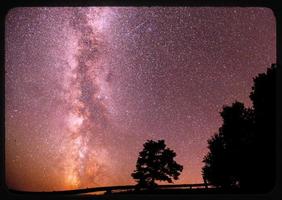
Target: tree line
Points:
(242, 152)
(240, 155)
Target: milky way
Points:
(86, 87)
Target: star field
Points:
(86, 87)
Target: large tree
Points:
(242, 153)
(229, 147)
(156, 163)
(263, 96)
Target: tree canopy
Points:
(242, 153)
(156, 163)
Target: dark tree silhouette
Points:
(242, 153)
(156, 162)
(228, 147)
(263, 96)
(215, 170)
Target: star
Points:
(87, 86)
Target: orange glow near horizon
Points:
(87, 86)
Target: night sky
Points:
(86, 87)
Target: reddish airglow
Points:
(86, 87)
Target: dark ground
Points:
(145, 194)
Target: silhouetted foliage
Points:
(156, 162)
(213, 171)
(263, 96)
(242, 153)
(228, 147)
